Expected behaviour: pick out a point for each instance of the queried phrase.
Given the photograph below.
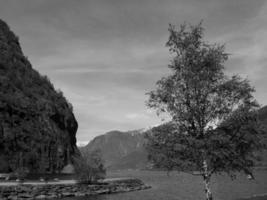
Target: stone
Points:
(79, 194)
(40, 196)
(67, 194)
(25, 195)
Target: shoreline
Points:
(59, 190)
(16, 183)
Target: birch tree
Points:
(213, 127)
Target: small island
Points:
(60, 189)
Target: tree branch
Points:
(188, 172)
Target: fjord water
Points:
(181, 186)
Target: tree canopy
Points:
(89, 166)
(214, 125)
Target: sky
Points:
(105, 55)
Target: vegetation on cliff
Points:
(37, 125)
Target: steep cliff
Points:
(37, 125)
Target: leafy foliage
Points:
(231, 147)
(89, 166)
(214, 124)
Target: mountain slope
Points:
(121, 150)
(125, 150)
(37, 125)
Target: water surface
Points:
(181, 186)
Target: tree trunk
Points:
(207, 181)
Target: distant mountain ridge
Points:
(121, 150)
(125, 150)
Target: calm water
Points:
(186, 187)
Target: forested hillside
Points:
(37, 125)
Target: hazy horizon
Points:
(105, 55)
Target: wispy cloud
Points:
(105, 55)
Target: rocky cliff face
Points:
(121, 150)
(37, 125)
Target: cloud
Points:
(139, 116)
(105, 55)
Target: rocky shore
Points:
(55, 191)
